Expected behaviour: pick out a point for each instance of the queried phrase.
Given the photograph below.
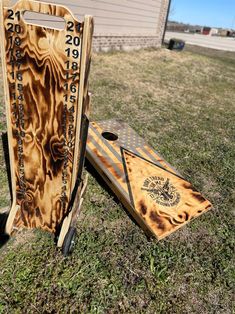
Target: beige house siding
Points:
(123, 24)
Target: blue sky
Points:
(217, 13)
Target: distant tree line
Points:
(183, 27)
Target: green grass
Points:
(183, 104)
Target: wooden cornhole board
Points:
(45, 74)
(155, 194)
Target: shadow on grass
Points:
(3, 216)
(92, 171)
(3, 236)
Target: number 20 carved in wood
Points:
(45, 72)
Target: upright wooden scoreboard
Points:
(45, 74)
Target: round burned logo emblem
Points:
(161, 191)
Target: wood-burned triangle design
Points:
(164, 200)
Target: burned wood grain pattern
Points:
(43, 80)
(157, 196)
